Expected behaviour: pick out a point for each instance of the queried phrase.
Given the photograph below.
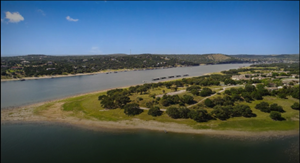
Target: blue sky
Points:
(232, 27)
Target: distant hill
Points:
(205, 58)
(279, 57)
(117, 54)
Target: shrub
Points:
(295, 106)
(276, 107)
(200, 115)
(263, 106)
(132, 109)
(173, 112)
(275, 115)
(242, 110)
(183, 112)
(149, 104)
(187, 99)
(209, 103)
(154, 111)
(221, 113)
(205, 92)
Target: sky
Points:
(169, 27)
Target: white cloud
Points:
(95, 50)
(41, 11)
(14, 17)
(71, 19)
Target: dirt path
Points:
(171, 93)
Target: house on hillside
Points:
(271, 88)
(281, 77)
(50, 69)
(16, 68)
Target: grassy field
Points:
(88, 106)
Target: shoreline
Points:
(137, 124)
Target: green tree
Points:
(187, 99)
(263, 106)
(249, 88)
(205, 92)
(154, 111)
(256, 95)
(275, 115)
(199, 115)
(195, 92)
(183, 112)
(218, 101)
(132, 109)
(122, 100)
(220, 112)
(242, 110)
(209, 103)
(295, 106)
(173, 112)
(276, 107)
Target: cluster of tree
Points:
(132, 109)
(116, 98)
(228, 111)
(220, 112)
(167, 100)
(293, 68)
(194, 89)
(154, 111)
(268, 58)
(265, 107)
(286, 91)
(237, 71)
(199, 115)
(249, 93)
(207, 80)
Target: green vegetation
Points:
(248, 107)
(132, 109)
(295, 106)
(154, 111)
(275, 115)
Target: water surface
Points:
(37, 143)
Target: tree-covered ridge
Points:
(271, 58)
(206, 58)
